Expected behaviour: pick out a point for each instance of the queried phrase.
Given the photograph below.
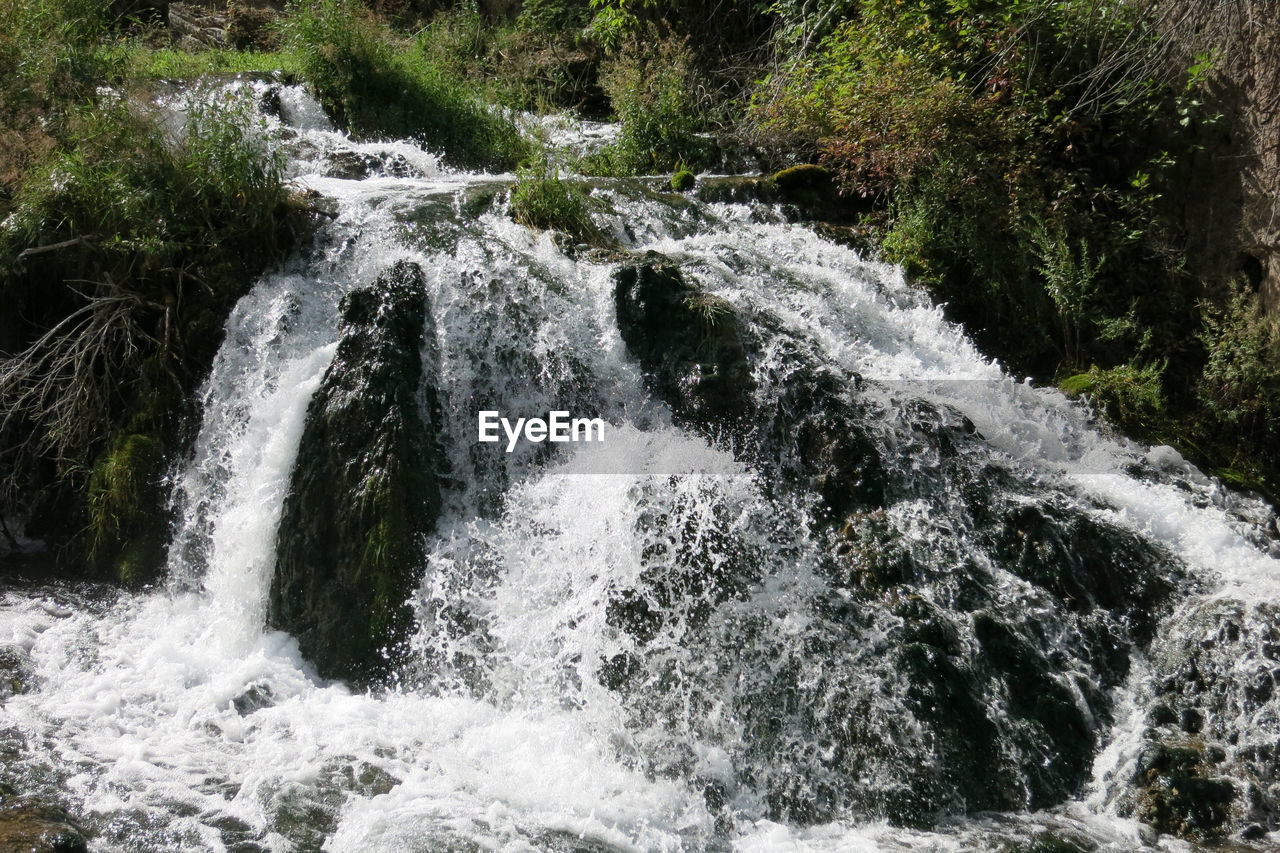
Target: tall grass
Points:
(381, 85)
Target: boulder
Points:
(30, 826)
(365, 489)
(690, 343)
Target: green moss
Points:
(126, 520)
(683, 180)
(803, 176)
(1127, 394)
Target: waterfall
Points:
(660, 641)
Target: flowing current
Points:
(753, 712)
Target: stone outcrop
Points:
(364, 490)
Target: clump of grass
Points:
(541, 199)
(380, 85)
(683, 180)
(169, 63)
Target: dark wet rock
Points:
(737, 190)
(16, 672)
(1177, 794)
(695, 350)
(1216, 670)
(365, 488)
(1086, 563)
(1047, 842)
(358, 165)
(1253, 832)
(255, 697)
(818, 431)
(30, 826)
(690, 343)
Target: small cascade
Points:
(832, 580)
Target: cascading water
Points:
(666, 640)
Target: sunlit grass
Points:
(167, 63)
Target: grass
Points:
(169, 63)
(541, 199)
(381, 85)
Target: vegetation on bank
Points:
(1028, 161)
(123, 243)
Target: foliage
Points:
(1129, 395)
(541, 199)
(381, 85)
(682, 179)
(1241, 380)
(52, 55)
(123, 251)
(981, 121)
(651, 85)
(531, 64)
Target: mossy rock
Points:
(128, 523)
(365, 488)
(690, 343)
(805, 176)
(683, 180)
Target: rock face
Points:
(1211, 762)
(691, 344)
(365, 488)
(998, 635)
(694, 348)
(32, 827)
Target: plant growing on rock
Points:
(542, 199)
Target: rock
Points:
(28, 826)
(1253, 832)
(691, 344)
(193, 27)
(15, 671)
(1177, 797)
(694, 349)
(804, 177)
(365, 488)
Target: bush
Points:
(121, 257)
(379, 85)
(542, 200)
(978, 122)
(51, 56)
(651, 86)
(1241, 380)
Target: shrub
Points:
(651, 86)
(1128, 395)
(980, 121)
(121, 257)
(51, 56)
(542, 200)
(1240, 384)
(379, 85)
